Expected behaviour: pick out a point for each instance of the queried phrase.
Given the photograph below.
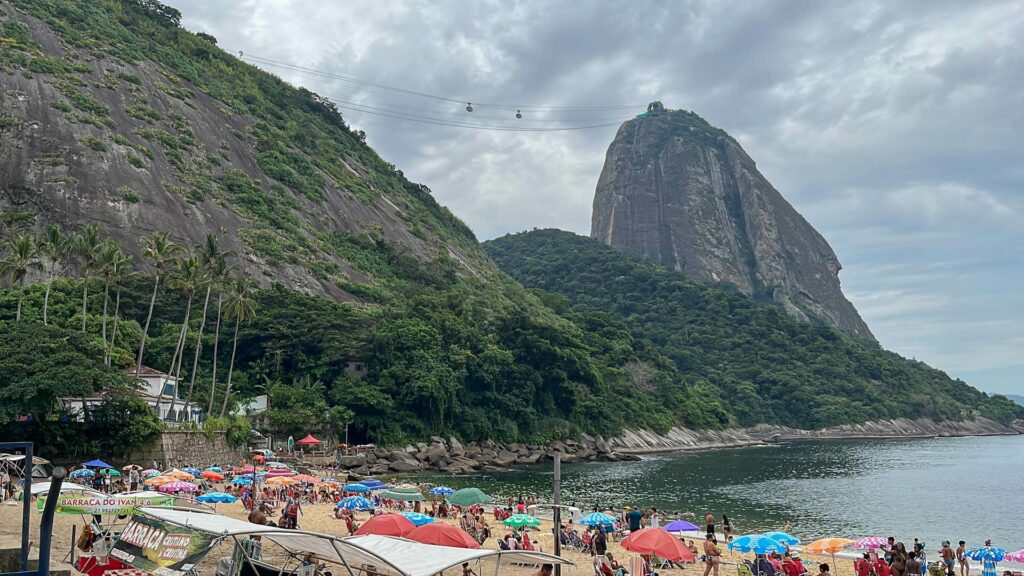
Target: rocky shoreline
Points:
(453, 457)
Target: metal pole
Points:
(26, 512)
(46, 524)
(557, 500)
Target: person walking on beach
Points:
(633, 519)
(709, 519)
(947, 555)
(965, 567)
(655, 520)
(726, 527)
(712, 555)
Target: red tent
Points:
(658, 542)
(443, 535)
(387, 525)
(308, 440)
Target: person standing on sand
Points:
(712, 555)
(947, 555)
(655, 520)
(726, 527)
(965, 567)
(709, 520)
(988, 566)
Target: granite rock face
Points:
(677, 191)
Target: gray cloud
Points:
(894, 127)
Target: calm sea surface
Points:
(934, 489)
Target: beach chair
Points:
(743, 570)
(637, 566)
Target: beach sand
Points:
(320, 518)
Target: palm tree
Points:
(223, 279)
(160, 250)
(213, 261)
(121, 270)
(109, 252)
(53, 244)
(23, 257)
(86, 247)
(242, 308)
(189, 279)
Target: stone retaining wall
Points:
(179, 448)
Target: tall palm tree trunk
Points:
(85, 299)
(106, 299)
(216, 340)
(231, 369)
(174, 361)
(21, 295)
(46, 299)
(145, 332)
(113, 329)
(199, 348)
(181, 354)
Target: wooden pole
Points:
(557, 500)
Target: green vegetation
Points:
(764, 365)
(94, 143)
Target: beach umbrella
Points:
(279, 473)
(387, 525)
(193, 471)
(179, 475)
(242, 481)
(659, 542)
(520, 520)
(783, 537)
(468, 497)
(869, 542)
(159, 480)
(131, 467)
(681, 526)
(355, 503)
(216, 498)
(992, 553)
(178, 486)
(309, 440)
(442, 491)
(1017, 556)
(281, 481)
(331, 485)
(443, 535)
(597, 519)
(83, 473)
(148, 472)
(418, 519)
(359, 488)
(216, 469)
(109, 472)
(212, 476)
(330, 479)
(248, 470)
(306, 478)
(403, 493)
(827, 546)
(758, 544)
(96, 464)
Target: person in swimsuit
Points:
(726, 527)
(709, 519)
(965, 567)
(712, 555)
(947, 555)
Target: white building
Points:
(154, 386)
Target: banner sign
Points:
(112, 504)
(161, 548)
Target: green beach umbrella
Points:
(109, 472)
(404, 494)
(520, 520)
(468, 497)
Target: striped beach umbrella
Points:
(355, 503)
(869, 542)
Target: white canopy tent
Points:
(44, 488)
(358, 554)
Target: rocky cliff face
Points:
(677, 191)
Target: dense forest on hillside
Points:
(766, 366)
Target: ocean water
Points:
(933, 489)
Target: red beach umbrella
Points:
(387, 525)
(443, 535)
(659, 542)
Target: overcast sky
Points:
(896, 128)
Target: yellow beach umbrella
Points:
(280, 481)
(827, 546)
(159, 480)
(179, 475)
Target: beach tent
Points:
(96, 464)
(404, 494)
(388, 555)
(443, 535)
(309, 440)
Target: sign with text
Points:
(112, 504)
(161, 548)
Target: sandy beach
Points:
(320, 518)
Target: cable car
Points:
(469, 106)
(519, 114)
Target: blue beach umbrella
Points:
(329, 479)
(216, 469)
(442, 491)
(983, 553)
(597, 519)
(355, 503)
(360, 488)
(418, 519)
(193, 471)
(757, 544)
(83, 473)
(216, 498)
(783, 537)
(242, 481)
